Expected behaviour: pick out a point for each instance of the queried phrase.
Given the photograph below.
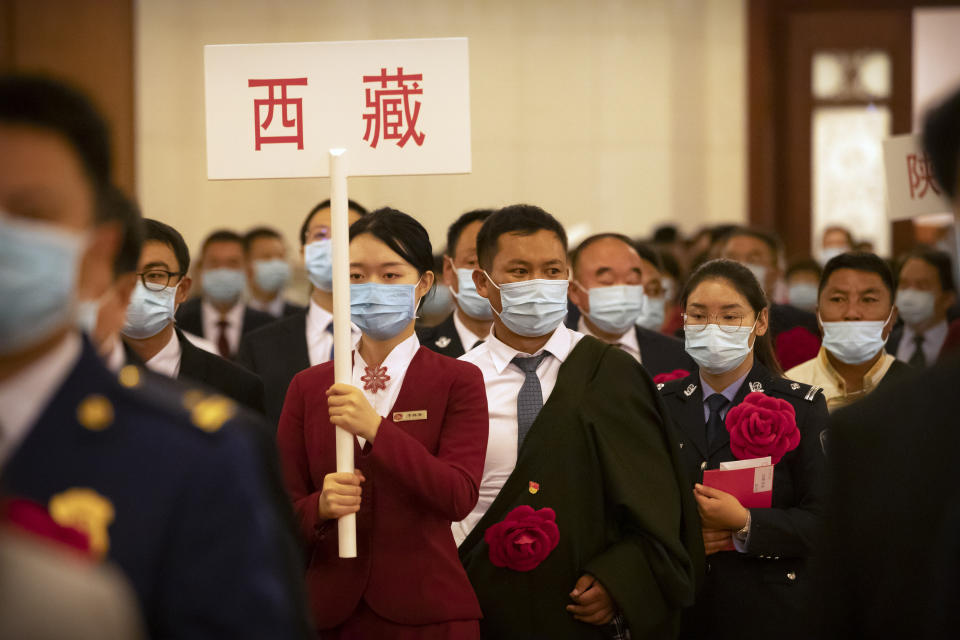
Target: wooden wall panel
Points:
(88, 43)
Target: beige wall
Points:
(622, 114)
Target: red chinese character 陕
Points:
(283, 102)
(920, 174)
(387, 119)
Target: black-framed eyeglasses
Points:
(698, 321)
(159, 279)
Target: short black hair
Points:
(649, 254)
(259, 232)
(770, 239)
(666, 234)
(356, 207)
(669, 265)
(804, 264)
(456, 229)
(45, 103)
(401, 232)
(522, 219)
(939, 260)
(157, 231)
(117, 207)
(220, 235)
(859, 261)
(941, 139)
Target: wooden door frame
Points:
(767, 144)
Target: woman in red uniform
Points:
(420, 421)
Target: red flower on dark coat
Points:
(524, 539)
(32, 518)
(762, 426)
(676, 374)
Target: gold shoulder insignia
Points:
(87, 511)
(95, 413)
(210, 414)
(130, 376)
(192, 397)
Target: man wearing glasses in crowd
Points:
(150, 334)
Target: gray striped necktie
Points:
(530, 398)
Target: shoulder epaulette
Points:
(797, 389)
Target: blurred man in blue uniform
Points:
(164, 484)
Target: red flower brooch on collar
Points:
(676, 374)
(524, 539)
(762, 426)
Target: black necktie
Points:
(919, 359)
(715, 428)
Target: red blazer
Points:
(421, 475)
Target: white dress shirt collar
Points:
(627, 342)
(319, 339)
(933, 339)
(397, 362)
(467, 337)
(559, 346)
(274, 307)
(167, 361)
(25, 396)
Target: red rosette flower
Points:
(676, 374)
(762, 426)
(32, 518)
(524, 539)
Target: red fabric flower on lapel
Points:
(762, 426)
(374, 379)
(32, 518)
(676, 374)
(524, 539)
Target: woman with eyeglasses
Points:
(737, 406)
(420, 426)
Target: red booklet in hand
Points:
(749, 481)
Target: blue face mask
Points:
(224, 285)
(271, 275)
(614, 309)
(471, 302)
(318, 258)
(38, 277)
(437, 302)
(653, 314)
(381, 311)
(149, 312)
(532, 308)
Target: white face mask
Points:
(854, 342)
(653, 314)
(916, 307)
(717, 351)
(803, 295)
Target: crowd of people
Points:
(537, 427)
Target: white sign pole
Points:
(342, 359)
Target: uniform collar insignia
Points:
(442, 342)
(756, 387)
(794, 386)
(689, 390)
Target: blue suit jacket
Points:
(172, 495)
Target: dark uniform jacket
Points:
(766, 592)
(604, 459)
(892, 526)
(190, 318)
(442, 338)
(659, 353)
(276, 353)
(168, 486)
(210, 370)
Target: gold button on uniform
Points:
(210, 414)
(129, 376)
(95, 413)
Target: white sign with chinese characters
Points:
(911, 188)
(397, 106)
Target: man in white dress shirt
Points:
(572, 424)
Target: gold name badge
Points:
(407, 416)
